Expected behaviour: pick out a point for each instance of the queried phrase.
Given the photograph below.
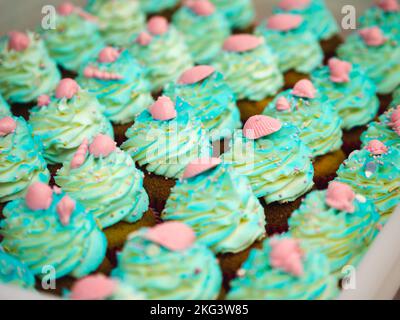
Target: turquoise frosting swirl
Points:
(154, 6)
(21, 162)
(296, 49)
(109, 187)
(123, 99)
(204, 35)
(4, 108)
(63, 124)
(166, 147)
(224, 197)
(375, 16)
(340, 235)
(39, 239)
(165, 58)
(252, 75)
(25, 75)
(259, 280)
(319, 124)
(240, 13)
(213, 102)
(162, 274)
(381, 64)
(15, 272)
(278, 165)
(376, 177)
(320, 20)
(355, 101)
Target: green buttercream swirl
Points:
(4, 108)
(155, 6)
(240, 13)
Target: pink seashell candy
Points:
(372, 36)
(304, 89)
(196, 74)
(287, 255)
(39, 196)
(293, 4)
(340, 196)
(340, 70)
(282, 104)
(102, 146)
(199, 166)
(376, 147)
(284, 22)
(18, 41)
(395, 117)
(144, 38)
(108, 55)
(43, 100)
(7, 126)
(242, 43)
(66, 9)
(158, 25)
(93, 287)
(80, 154)
(67, 88)
(260, 126)
(201, 7)
(163, 109)
(389, 5)
(65, 208)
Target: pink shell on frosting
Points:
(80, 154)
(93, 287)
(389, 5)
(340, 196)
(67, 88)
(376, 147)
(242, 43)
(199, 166)
(7, 126)
(260, 126)
(157, 25)
(395, 116)
(196, 74)
(372, 36)
(18, 41)
(284, 22)
(282, 104)
(57, 190)
(293, 4)
(144, 38)
(175, 236)
(108, 55)
(66, 9)
(163, 109)
(304, 89)
(287, 255)
(102, 146)
(65, 208)
(93, 72)
(39, 196)
(43, 100)
(340, 70)
(201, 7)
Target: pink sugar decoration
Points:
(43, 100)
(340, 196)
(144, 38)
(102, 146)
(7, 126)
(284, 22)
(242, 43)
(163, 109)
(340, 70)
(109, 55)
(198, 166)
(93, 287)
(66, 9)
(196, 74)
(18, 41)
(287, 255)
(39, 196)
(376, 147)
(282, 104)
(389, 5)
(201, 7)
(67, 88)
(80, 154)
(93, 72)
(372, 36)
(293, 4)
(260, 126)
(304, 89)
(65, 208)
(157, 25)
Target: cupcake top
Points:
(249, 67)
(320, 20)
(273, 157)
(48, 227)
(104, 179)
(26, 70)
(4, 108)
(382, 13)
(294, 44)
(239, 13)
(211, 191)
(350, 90)
(284, 268)
(165, 262)
(313, 113)
(213, 101)
(64, 119)
(119, 83)
(337, 222)
(21, 161)
(155, 6)
(165, 138)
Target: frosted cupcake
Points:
(163, 51)
(251, 70)
(286, 269)
(62, 120)
(157, 6)
(239, 13)
(26, 70)
(5, 109)
(47, 227)
(166, 263)
(336, 222)
(382, 13)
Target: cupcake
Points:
(164, 7)
(213, 101)
(63, 120)
(163, 51)
(382, 13)
(5, 109)
(48, 228)
(336, 222)
(377, 51)
(26, 70)
(286, 269)
(166, 263)
(118, 19)
(251, 70)
(76, 38)
(239, 13)
(375, 173)
(21, 161)
(119, 83)
(296, 47)
(204, 29)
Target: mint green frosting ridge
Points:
(4, 108)
(375, 16)
(156, 6)
(14, 272)
(396, 98)
(240, 13)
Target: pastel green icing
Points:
(240, 13)
(212, 101)
(4, 108)
(396, 98)
(63, 124)
(258, 280)
(39, 239)
(278, 165)
(155, 6)
(25, 75)
(21, 162)
(355, 101)
(319, 123)
(375, 16)
(162, 274)
(166, 147)
(110, 187)
(14, 272)
(123, 99)
(252, 75)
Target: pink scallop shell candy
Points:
(108, 55)
(242, 43)
(293, 4)
(66, 9)
(7, 126)
(389, 5)
(201, 7)
(282, 104)
(175, 236)
(376, 147)
(340, 196)
(102, 146)
(304, 89)
(39, 196)
(372, 36)
(144, 38)
(67, 88)
(395, 117)
(18, 41)
(260, 126)
(284, 22)
(163, 109)
(57, 190)
(93, 287)
(65, 208)
(80, 154)
(196, 74)
(287, 255)
(199, 166)
(158, 25)
(43, 100)
(340, 70)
